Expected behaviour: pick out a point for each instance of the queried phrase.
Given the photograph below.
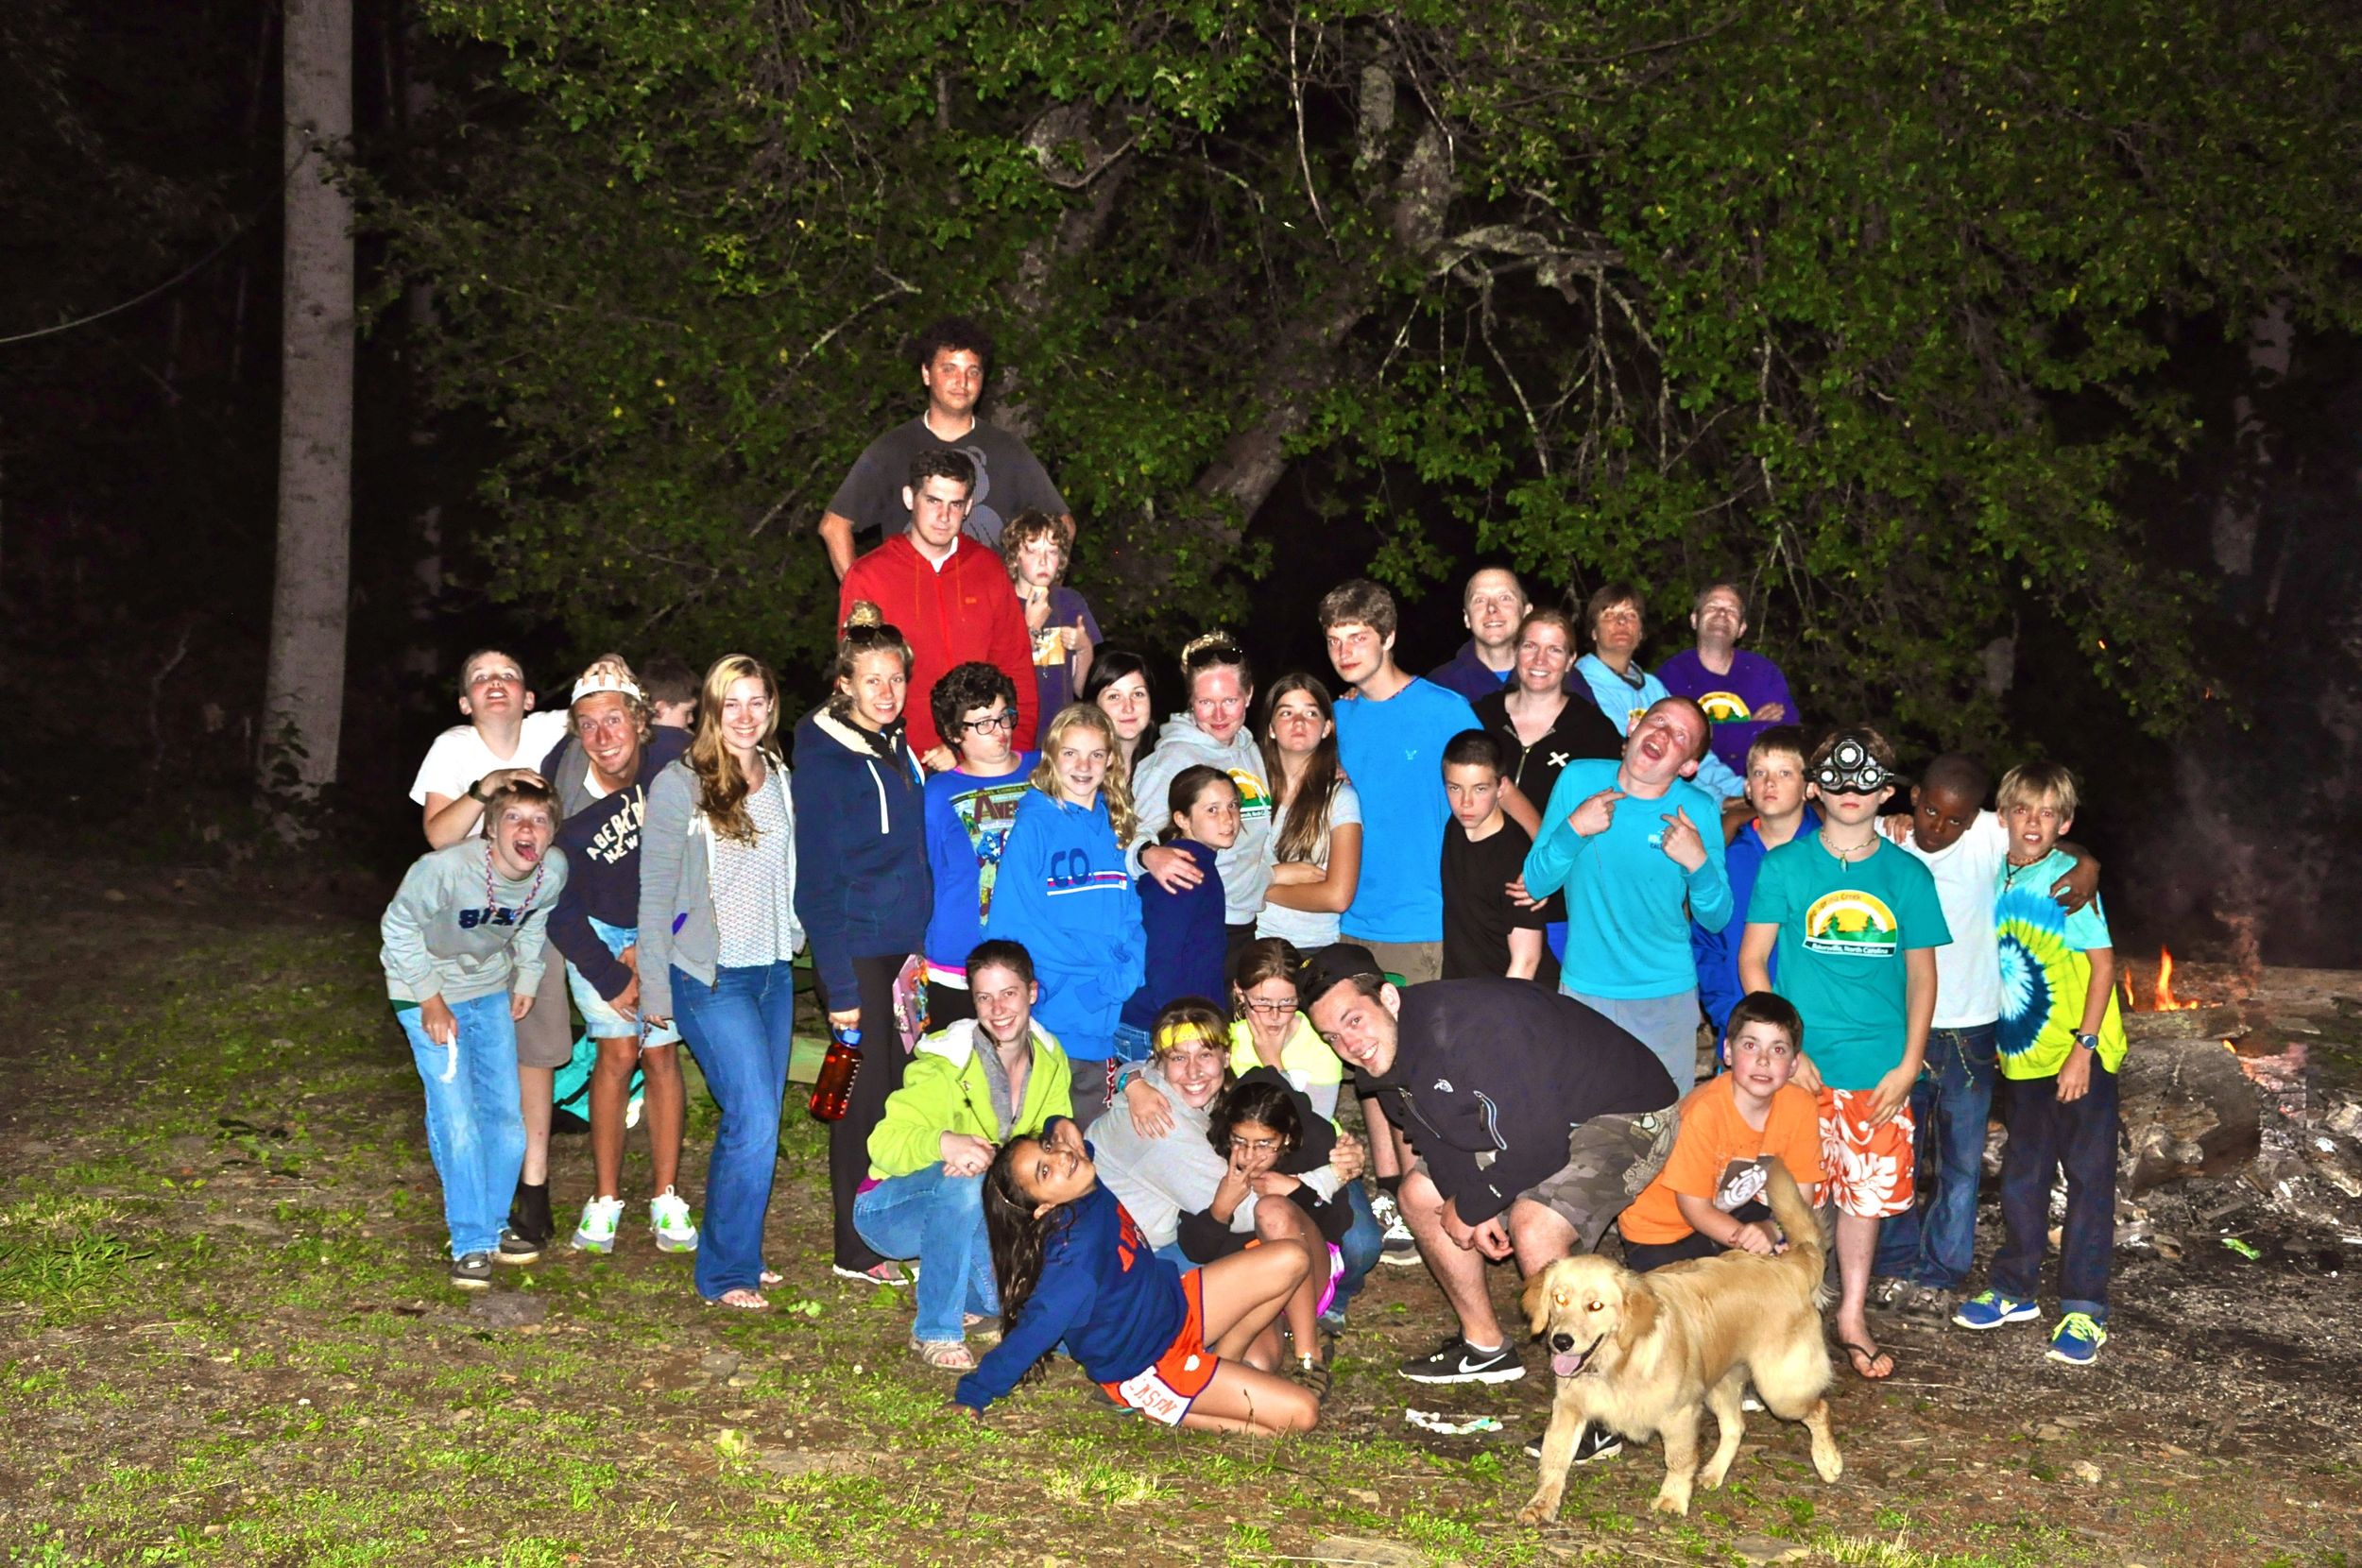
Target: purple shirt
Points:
(1731, 701)
(1054, 663)
(1470, 675)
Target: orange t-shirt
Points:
(1718, 1156)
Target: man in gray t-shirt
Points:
(950, 356)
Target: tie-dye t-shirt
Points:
(2046, 972)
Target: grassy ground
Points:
(225, 1338)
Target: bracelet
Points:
(475, 792)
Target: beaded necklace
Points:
(531, 894)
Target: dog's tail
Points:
(1800, 1222)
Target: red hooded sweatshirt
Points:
(968, 610)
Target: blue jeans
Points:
(476, 1126)
(738, 1029)
(938, 1219)
(1934, 1241)
(2043, 1135)
(1364, 1241)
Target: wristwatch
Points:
(475, 792)
(2089, 1042)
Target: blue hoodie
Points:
(1187, 945)
(1064, 893)
(1103, 1291)
(862, 886)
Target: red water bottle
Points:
(832, 1093)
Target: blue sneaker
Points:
(2077, 1339)
(1990, 1309)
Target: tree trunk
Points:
(303, 702)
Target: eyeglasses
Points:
(1270, 1010)
(990, 722)
(1255, 1146)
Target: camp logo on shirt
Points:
(1254, 799)
(1725, 708)
(1851, 922)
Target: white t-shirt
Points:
(1308, 928)
(459, 757)
(1968, 968)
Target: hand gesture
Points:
(939, 759)
(1274, 1183)
(500, 779)
(1680, 842)
(1037, 610)
(964, 1154)
(1592, 817)
(1349, 1158)
(1175, 870)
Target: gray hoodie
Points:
(442, 938)
(677, 884)
(1246, 872)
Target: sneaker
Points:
(668, 1216)
(595, 1233)
(529, 1213)
(1457, 1361)
(515, 1247)
(2077, 1339)
(1597, 1442)
(888, 1273)
(473, 1273)
(1400, 1247)
(1990, 1309)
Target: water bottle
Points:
(832, 1094)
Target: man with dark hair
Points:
(1744, 693)
(947, 594)
(951, 355)
(1535, 1120)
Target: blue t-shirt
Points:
(1843, 931)
(1394, 753)
(1717, 952)
(1629, 904)
(968, 825)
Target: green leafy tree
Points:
(1870, 305)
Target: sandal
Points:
(1312, 1373)
(945, 1354)
(986, 1329)
(741, 1299)
(1864, 1357)
(772, 1279)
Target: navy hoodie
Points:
(1117, 1305)
(602, 845)
(861, 885)
(1188, 947)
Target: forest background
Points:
(2008, 352)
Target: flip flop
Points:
(740, 1300)
(1862, 1356)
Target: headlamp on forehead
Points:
(1850, 770)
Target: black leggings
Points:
(1641, 1257)
(881, 1074)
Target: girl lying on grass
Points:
(1073, 1267)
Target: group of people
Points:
(1107, 982)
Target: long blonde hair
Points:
(722, 785)
(1114, 788)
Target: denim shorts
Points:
(599, 1020)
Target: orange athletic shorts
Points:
(1167, 1386)
(1870, 1169)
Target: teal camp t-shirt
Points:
(1843, 931)
(2046, 971)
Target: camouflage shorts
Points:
(1609, 1160)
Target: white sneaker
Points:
(596, 1232)
(668, 1216)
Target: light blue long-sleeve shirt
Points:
(1624, 702)
(1629, 904)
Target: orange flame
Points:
(2166, 1001)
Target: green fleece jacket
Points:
(944, 1090)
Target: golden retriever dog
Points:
(1640, 1353)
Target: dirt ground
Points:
(225, 1338)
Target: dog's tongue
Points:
(1566, 1363)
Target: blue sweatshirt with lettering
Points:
(1103, 1291)
(1064, 893)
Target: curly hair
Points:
(1023, 529)
(948, 334)
(974, 684)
